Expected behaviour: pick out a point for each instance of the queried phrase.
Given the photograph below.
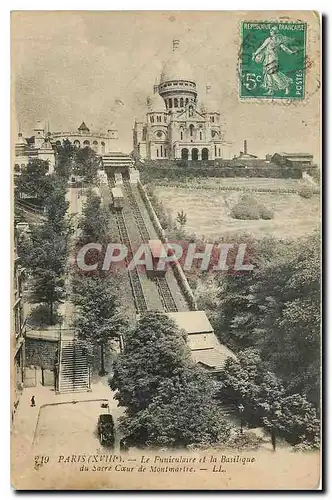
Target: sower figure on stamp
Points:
(267, 54)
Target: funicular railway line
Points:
(135, 283)
(164, 291)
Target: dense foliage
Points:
(83, 162)
(94, 220)
(174, 170)
(45, 253)
(276, 308)
(248, 208)
(98, 319)
(246, 381)
(161, 389)
(35, 182)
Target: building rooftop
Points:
(117, 192)
(213, 358)
(294, 155)
(192, 321)
(83, 128)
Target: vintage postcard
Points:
(166, 237)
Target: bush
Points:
(306, 192)
(246, 441)
(249, 209)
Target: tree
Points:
(86, 164)
(45, 256)
(34, 181)
(98, 319)
(94, 220)
(169, 401)
(56, 208)
(64, 159)
(248, 208)
(47, 288)
(266, 401)
(289, 323)
(45, 252)
(154, 350)
(182, 218)
(276, 308)
(182, 412)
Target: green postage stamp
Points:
(273, 60)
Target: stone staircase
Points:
(74, 373)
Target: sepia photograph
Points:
(166, 250)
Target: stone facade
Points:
(43, 144)
(177, 125)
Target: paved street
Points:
(55, 429)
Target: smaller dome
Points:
(46, 144)
(156, 104)
(21, 139)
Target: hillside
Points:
(208, 208)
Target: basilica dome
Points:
(176, 68)
(156, 104)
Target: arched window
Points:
(181, 135)
(205, 154)
(194, 154)
(151, 119)
(176, 102)
(212, 118)
(184, 154)
(161, 150)
(187, 100)
(77, 144)
(159, 119)
(181, 102)
(157, 153)
(165, 119)
(191, 128)
(102, 147)
(95, 145)
(200, 135)
(17, 168)
(219, 152)
(86, 143)
(58, 143)
(170, 103)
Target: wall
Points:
(177, 269)
(40, 353)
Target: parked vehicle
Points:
(106, 429)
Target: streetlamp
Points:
(241, 408)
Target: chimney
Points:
(245, 148)
(176, 44)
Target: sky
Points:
(73, 66)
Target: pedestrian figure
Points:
(33, 403)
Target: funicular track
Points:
(164, 291)
(135, 283)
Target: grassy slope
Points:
(208, 210)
